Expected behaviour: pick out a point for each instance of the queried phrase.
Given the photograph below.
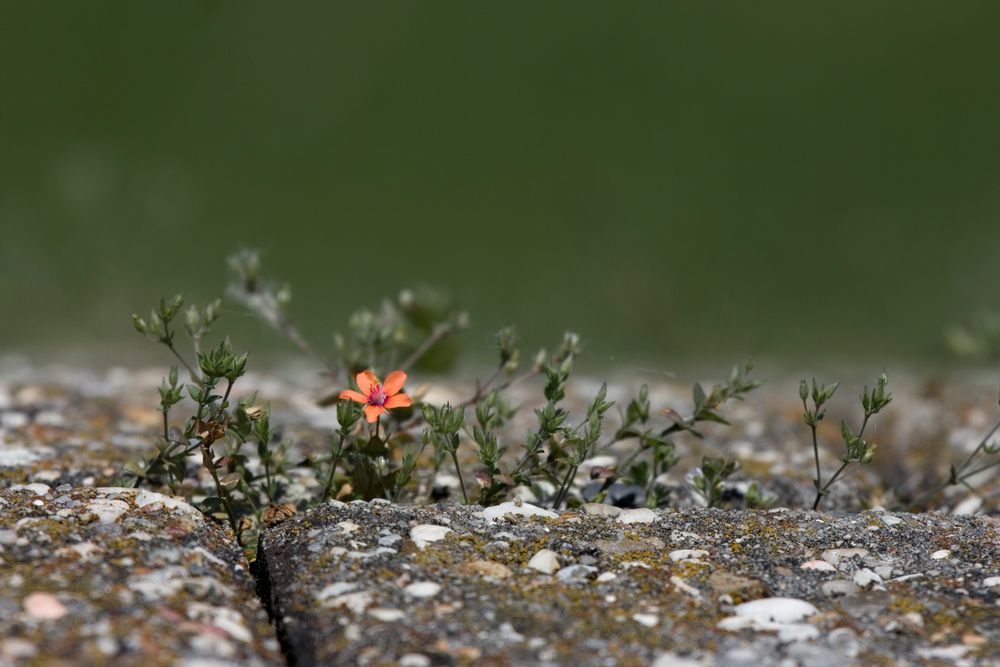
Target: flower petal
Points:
(398, 401)
(365, 381)
(394, 382)
(353, 395)
(372, 412)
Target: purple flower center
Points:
(377, 395)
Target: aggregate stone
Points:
(628, 601)
(111, 582)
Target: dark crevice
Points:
(268, 597)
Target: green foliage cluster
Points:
(230, 455)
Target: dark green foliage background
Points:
(674, 180)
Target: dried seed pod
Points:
(275, 514)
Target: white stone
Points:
(386, 615)
(953, 652)
(107, 509)
(37, 488)
(682, 585)
(642, 515)
(674, 660)
(941, 554)
(648, 620)
(776, 610)
(890, 520)
(426, 533)
(687, 554)
(356, 602)
(47, 476)
(348, 527)
(423, 589)
(14, 648)
(797, 632)
(601, 509)
(968, 506)
(820, 565)
(144, 498)
(606, 576)
(991, 581)
(12, 456)
(545, 561)
(523, 509)
(335, 589)
(414, 660)
(13, 420)
(229, 620)
(836, 556)
(866, 577)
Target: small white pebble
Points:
(36, 488)
(682, 585)
(642, 515)
(335, 589)
(970, 505)
(518, 509)
(687, 554)
(991, 581)
(836, 556)
(648, 620)
(414, 660)
(386, 615)
(674, 660)
(107, 509)
(865, 577)
(820, 565)
(606, 576)
(426, 533)
(423, 589)
(941, 554)
(348, 527)
(545, 561)
(776, 610)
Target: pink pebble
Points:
(44, 606)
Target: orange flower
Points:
(376, 396)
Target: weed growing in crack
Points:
(857, 450)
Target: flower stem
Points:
(458, 472)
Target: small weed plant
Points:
(227, 456)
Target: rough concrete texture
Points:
(111, 576)
(349, 584)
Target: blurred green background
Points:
(675, 181)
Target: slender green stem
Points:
(209, 463)
(982, 444)
(440, 332)
(503, 386)
(570, 474)
(822, 491)
(288, 328)
(225, 397)
(194, 376)
(978, 470)
(333, 469)
(458, 473)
